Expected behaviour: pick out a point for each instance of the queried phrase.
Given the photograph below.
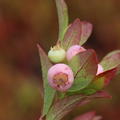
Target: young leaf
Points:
(86, 32)
(102, 79)
(86, 70)
(48, 91)
(64, 106)
(73, 34)
(111, 60)
(62, 17)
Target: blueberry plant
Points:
(72, 75)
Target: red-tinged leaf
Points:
(101, 94)
(86, 70)
(86, 116)
(62, 17)
(48, 91)
(111, 60)
(103, 79)
(73, 34)
(64, 106)
(86, 31)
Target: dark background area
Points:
(23, 24)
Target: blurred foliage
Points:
(24, 23)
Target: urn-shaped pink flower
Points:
(74, 50)
(60, 77)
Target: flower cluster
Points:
(73, 70)
(60, 76)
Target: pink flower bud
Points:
(74, 50)
(100, 69)
(60, 77)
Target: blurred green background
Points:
(23, 24)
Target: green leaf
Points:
(49, 92)
(85, 32)
(75, 63)
(64, 106)
(72, 35)
(86, 70)
(62, 17)
(88, 91)
(111, 60)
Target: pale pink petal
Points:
(74, 50)
(100, 69)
